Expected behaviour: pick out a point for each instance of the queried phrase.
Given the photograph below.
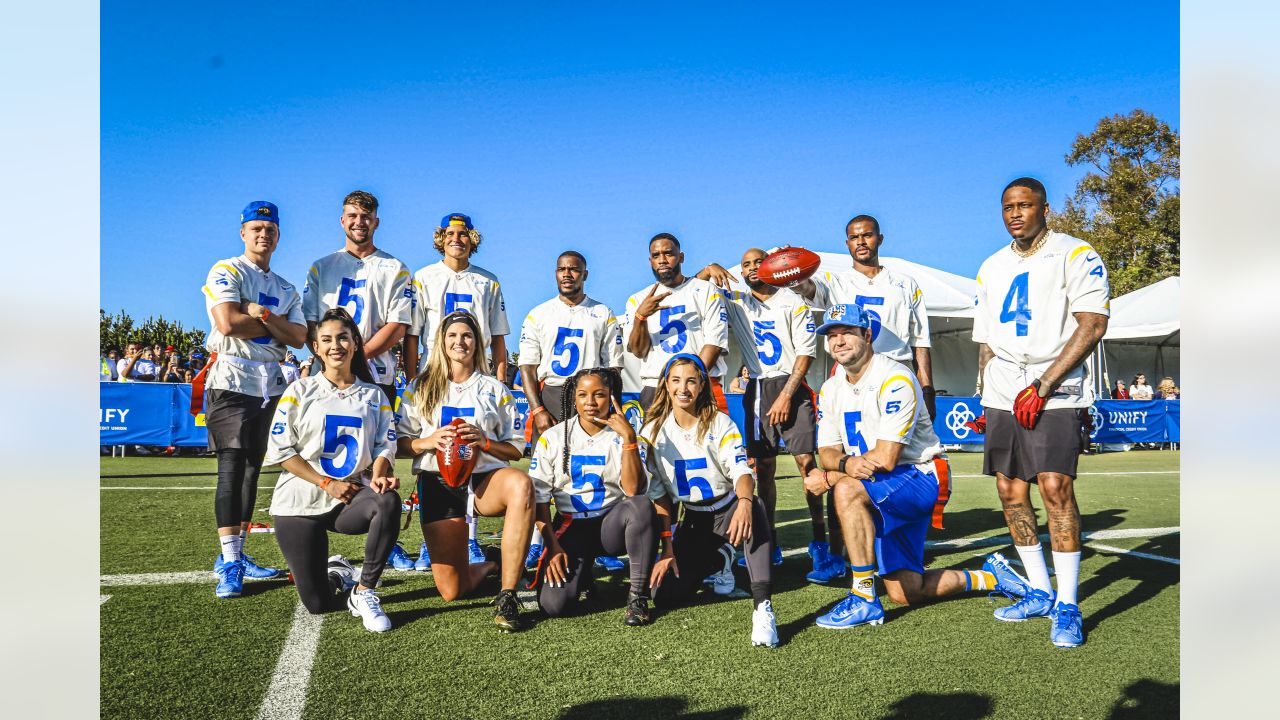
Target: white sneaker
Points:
(341, 573)
(366, 605)
(764, 626)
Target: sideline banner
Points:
(144, 413)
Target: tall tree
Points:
(1127, 207)
(116, 331)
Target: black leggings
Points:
(629, 528)
(237, 491)
(698, 540)
(304, 540)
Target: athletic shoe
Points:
(833, 568)
(722, 582)
(764, 626)
(230, 580)
(1036, 603)
(399, 559)
(852, 612)
(1067, 626)
(609, 563)
(1008, 581)
(423, 563)
(475, 555)
(506, 614)
(777, 555)
(365, 605)
(637, 611)
(819, 554)
(535, 554)
(341, 574)
(253, 571)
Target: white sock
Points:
(1067, 567)
(471, 531)
(240, 544)
(230, 547)
(1032, 557)
(536, 538)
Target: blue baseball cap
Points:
(847, 315)
(457, 219)
(260, 210)
(685, 356)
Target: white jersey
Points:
(376, 291)
(693, 315)
(338, 432)
(439, 291)
(561, 339)
(894, 302)
(1024, 312)
(771, 332)
(140, 368)
(481, 401)
(687, 467)
(236, 280)
(885, 404)
(594, 479)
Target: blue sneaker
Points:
(475, 555)
(1036, 603)
(1008, 581)
(833, 568)
(777, 555)
(230, 580)
(423, 563)
(609, 563)
(535, 554)
(254, 572)
(399, 559)
(1068, 626)
(853, 611)
(819, 554)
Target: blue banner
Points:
(142, 413)
(1130, 421)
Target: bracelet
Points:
(740, 499)
(541, 408)
(641, 318)
(664, 534)
(486, 444)
(844, 460)
(631, 446)
(825, 480)
(324, 482)
(265, 314)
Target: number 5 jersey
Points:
(561, 339)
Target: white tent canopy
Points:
(1144, 335)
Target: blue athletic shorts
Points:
(904, 497)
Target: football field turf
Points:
(170, 649)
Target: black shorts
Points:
(1016, 452)
(552, 396)
(238, 422)
(800, 432)
(437, 501)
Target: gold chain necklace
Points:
(1039, 243)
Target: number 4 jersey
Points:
(562, 339)
(1024, 312)
(594, 478)
(771, 332)
(886, 403)
(688, 467)
(338, 432)
(693, 315)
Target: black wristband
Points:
(844, 460)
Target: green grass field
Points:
(175, 651)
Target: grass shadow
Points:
(952, 706)
(1153, 577)
(1147, 699)
(645, 708)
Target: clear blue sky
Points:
(593, 128)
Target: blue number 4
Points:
(853, 438)
(669, 322)
(582, 479)
(1017, 305)
(347, 296)
(760, 328)
(336, 441)
(563, 345)
(685, 484)
(864, 301)
(266, 300)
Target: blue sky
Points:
(593, 128)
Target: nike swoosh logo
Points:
(895, 390)
(1088, 258)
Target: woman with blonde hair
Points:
(1168, 390)
(455, 385)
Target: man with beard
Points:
(687, 316)
(775, 333)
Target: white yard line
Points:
(154, 487)
(287, 694)
(102, 600)
(1134, 553)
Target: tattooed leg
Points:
(1059, 495)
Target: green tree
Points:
(1127, 207)
(120, 330)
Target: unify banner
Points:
(1114, 421)
(143, 413)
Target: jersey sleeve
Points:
(402, 298)
(408, 424)
(611, 346)
(222, 285)
(803, 332)
(918, 325)
(542, 469)
(418, 321)
(1088, 289)
(828, 422)
(311, 295)
(658, 487)
(731, 455)
(897, 401)
(498, 313)
(980, 311)
(293, 309)
(384, 440)
(715, 321)
(284, 442)
(530, 348)
(506, 430)
(821, 299)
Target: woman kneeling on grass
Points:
(696, 458)
(591, 466)
(455, 385)
(330, 430)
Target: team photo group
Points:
(673, 493)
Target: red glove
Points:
(978, 425)
(1028, 405)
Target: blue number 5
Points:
(1018, 297)
(685, 485)
(347, 296)
(852, 436)
(760, 328)
(449, 412)
(668, 320)
(336, 441)
(864, 301)
(266, 300)
(581, 479)
(563, 345)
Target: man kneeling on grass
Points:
(887, 475)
